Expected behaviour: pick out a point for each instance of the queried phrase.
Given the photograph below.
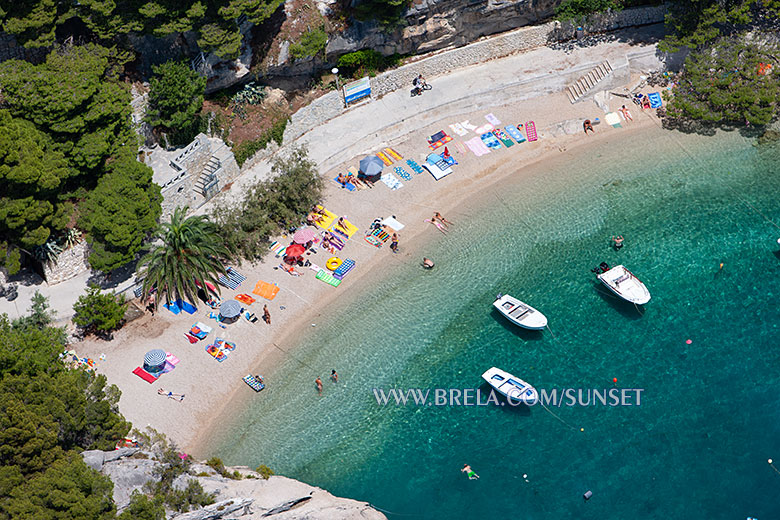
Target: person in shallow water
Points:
(427, 263)
(617, 242)
(318, 382)
(470, 472)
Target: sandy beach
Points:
(214, 389)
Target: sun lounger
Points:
(515, 133)
(393, 154)
(348, 185)
(490, 141)
(493, 120)
(458, 129)
(143, 374)
(476, 145)
(416, 168)
(530, 130)
(655, 100)
(503, 137)
(327, 219)
(391, 181)
(328, 278)
(405, 175)
(438, 139)
(484, 129)
(265, 290)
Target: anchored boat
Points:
(623, 283)
(511, 387)
(519, 313)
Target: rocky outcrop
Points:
(250, 498)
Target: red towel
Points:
(143, 374)
(190, 337)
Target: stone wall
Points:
(70, 263)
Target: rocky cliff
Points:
(250, 498)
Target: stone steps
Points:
(588, 81)
(208, 177)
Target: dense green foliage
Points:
(577, 9)
(271, 206)
(247, 149)
(311, 43)
(99, 312)
(175, 99)
(142, 507)
(366, 62)
(191, 250)
(48, 414)
(387, 12)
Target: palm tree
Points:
(187, 250)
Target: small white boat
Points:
(510, 386)
(623, 283)
(519, 313)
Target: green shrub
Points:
(99, 313)
(193, 495)
(578, 9)
(311, 43)
(366, 62)
(265, 471)
(386, 12)
(247, 149)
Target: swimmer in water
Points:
(470, 472)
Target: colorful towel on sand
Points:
(468, 126)
(503, 137)
(143, 374)
(460, 147)
(490, 141)
(382, 234)
(405, 175)
(391, 181)
(216, 353)
(476, 145)
(373, 240)
(266, 290)
(655, 100)
(458, 129)
(385, 159)
(328, 278)
(277, 249)
(170, 358)
(530, 130)
(233, 278)
(515, 133)
(393, 154)
(342, 270)
(613, 119)
(347, 230)
(225, 345)
(438, 139)
(493, 120)
(327, 218)
(245, 299)
(416, 168)
(200, 330)
(348, 185)
(484, 129)
(334, 242)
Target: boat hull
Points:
(632, 289)
(513, 388)
(519, 313)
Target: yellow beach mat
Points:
(384, 158)
(266, 290)
(348, 230)
(327, 219)
(392, 153)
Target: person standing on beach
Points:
(334, 376)
(266, 315)
(394, 243)
(318, 382)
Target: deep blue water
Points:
(698, 445)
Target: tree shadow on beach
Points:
(564, 37)
(626, 309)
(114, 278)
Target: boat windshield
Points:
(497, 377)
(515, 384)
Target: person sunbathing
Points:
(437, 216)
(646, 103)
(437, 224)
(626, 114)
(342, 180)
(342, 223)
(352, 179)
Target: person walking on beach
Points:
(170, 395)
(318, 382)
(394, 243)
(586, 125)
(266, 315)
(437, 216)
(470, 472)
(334, 376)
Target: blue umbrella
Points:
(371, 165)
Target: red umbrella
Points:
(294, 250)
(304, 235)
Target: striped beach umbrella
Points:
(154, 360)
(304, 235)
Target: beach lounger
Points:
(416, 168)
(493, 120)
(342, 270)
(245, 299)
(476, 145)
(384, 158)
(391, 181)
(530, 130)
(484, 129)
(515, 133)
(328, 278)
(266, 290)
(490, 141)
(327, 220)
(348, 185)
(458, 129)
(393, 154)
(438, 139)
(655, 100)
(405, 175)
(143, 374)
(503, 137)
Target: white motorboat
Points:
(623, 283)
(511, 387)
(519, 313)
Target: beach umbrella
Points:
(294, 250)
(304, 235)
(371, 165)
(230, 309)
(154, 360)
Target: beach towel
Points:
(253, 383)
(515, 133)
(327, 218)
(458, 129)
(186, 306)
(391, 181)
(490, 141)
(216, 352)
(266, 290)
(277, 249)
(232, 280)
(416, 168)
(328, 278)
(143, 374)
(227, 282)
(245, 299)
(393, 154)
(438, 139)
(170, 358)
(500, 134)
(190, 337)
(224, 344)
(468, 126)
(613, 119)
(476, 145)
(493, 120)
(393, 224)
(342, 270)
(460, 147)
(348, 230)
(484, 129)
(451, 160)
(405, 175)
(235, 275)
(530, 130)
(655, 100)
(335, 242)
(385, 159)
(348, 185)
(314, 267)
(373, 240)
(173, 307)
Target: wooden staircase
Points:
(588, 81)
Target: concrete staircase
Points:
(588, 81)
(208, 178)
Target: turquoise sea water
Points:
(698, 445)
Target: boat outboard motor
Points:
(604, 267)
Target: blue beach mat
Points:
(491, 141)
(348, 185)
(515, 133)
(405, 175)
(416, 168)
(655, 100)
(342, 270)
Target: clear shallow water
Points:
(696, 448)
